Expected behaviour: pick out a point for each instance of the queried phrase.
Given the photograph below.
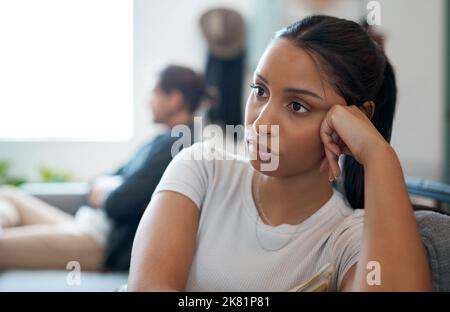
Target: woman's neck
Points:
(291, 200)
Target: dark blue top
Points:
(126, 204)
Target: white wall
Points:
(168, 31)
(165, 31)
(415, 44)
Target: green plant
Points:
(6, 178)
(48, 174)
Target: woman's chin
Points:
(265, 167)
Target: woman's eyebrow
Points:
(261, 77)
(302, 91)
(293, 90)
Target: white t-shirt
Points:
(229, 256)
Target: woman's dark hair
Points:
(191, 85)
(359, 70)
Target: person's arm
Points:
(165, 241)
(102, 185)
(131, 198)
(100, 188)
(390, 234)
(164, 244)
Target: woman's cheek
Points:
(308, 148)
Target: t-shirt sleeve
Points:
(346, 244)
(187, 174)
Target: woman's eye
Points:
(297, 107)
(258, 91)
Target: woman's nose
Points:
(266, 121)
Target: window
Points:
(66, 70)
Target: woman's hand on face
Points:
(348, 130)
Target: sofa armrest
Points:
(430, 189)
(68, 196)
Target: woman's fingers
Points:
(332, 151)
(325, 167)
(346, 130)
(333, 163)
(329, 137)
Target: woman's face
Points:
(291, 92)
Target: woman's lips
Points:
(262, 150)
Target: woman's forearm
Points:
(390, 234)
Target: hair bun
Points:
(374, 33)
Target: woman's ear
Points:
(368, 108)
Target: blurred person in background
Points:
(34, 234)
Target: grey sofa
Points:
(435, 232)
(68, 197)
(56, 281)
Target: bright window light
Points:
(66, 70)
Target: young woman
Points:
(227, 225)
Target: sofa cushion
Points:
(56, 281)
(435, 233)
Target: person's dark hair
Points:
(373, 32)
(191, 85)
(360, 71)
